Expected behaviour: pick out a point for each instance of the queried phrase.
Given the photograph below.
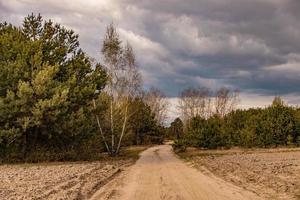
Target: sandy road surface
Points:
(159, 174)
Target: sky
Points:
(249, 45)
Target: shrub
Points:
(179, 146)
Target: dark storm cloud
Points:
(252, 45)
(234, 42)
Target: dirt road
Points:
(159, 174)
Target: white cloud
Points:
(292, 68)
(142, 44)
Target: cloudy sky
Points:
(250, 45)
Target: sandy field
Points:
(271, 174)
(57, 180)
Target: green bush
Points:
(179, 146)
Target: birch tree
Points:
(124, 84)
(130, 82)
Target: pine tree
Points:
(45, 78)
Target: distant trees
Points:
(278, 123)
(225, 101)
(195, 102)
(275, 125)
(176, 129)
(141, 122)
(206, 133)
(158, 103)
(201, 102)
(203, 113)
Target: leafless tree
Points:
(158, 103)
(194, 102)
(201, 102)
(225, 101)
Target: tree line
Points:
(212, 121)
(57, 103)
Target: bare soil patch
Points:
(63, 180)
(56, 180)
(272, 173)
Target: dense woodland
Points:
(57, 103)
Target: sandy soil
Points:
(272, 174)
(159, 174)
(56, 181)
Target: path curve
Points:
(159, 174)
